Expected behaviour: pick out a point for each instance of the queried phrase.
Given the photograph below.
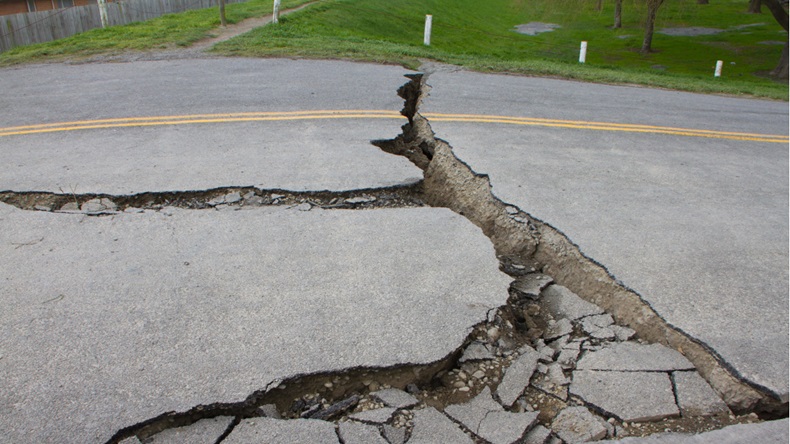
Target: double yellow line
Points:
(379, 114)
(196, 118)
(606, 126)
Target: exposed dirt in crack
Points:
(220, 198)
(448, 182)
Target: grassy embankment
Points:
(479, 35)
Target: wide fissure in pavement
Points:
(451, 183)
(403, 196)
(523, 244)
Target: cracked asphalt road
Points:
(697, 226)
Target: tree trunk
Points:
(599, 5)
(778, 11)
(702, 2)
(780, 14)
(780, 72)
(754, 7)
(650, 23)
(222, 20)
(618, 14)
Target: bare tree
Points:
(618, 14)
(780, 14)
(754, 7)
(222, 20)
(650, 23)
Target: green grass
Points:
(479, 35)
(182, 29)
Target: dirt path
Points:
(198, 49)
(230, 31)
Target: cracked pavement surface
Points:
(114, 320)
(158, 324)
(697, 226)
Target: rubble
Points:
(578, 424)
(487, 419)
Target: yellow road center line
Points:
(632, 129)
(378, 114)
(511, 119)
(197, 117)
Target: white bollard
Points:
(426, 40)
(719, 65)
(103, 13)
(276, 12)
(583, 53)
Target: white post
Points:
(276, 12)
(426, 40)
(103, 13)
(719, 65)
(583, 53)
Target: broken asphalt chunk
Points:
(355, 433)
(531, 285)
(395, 398)
(622, 333)
(487, 419)
(553, 382)
(557, 329)
(374, 416)
(505, 427)
(564, 303)
(228, 198)
(477, 351)
(278, 431)
(632, 356)
(99, 206)
(205, 431)
(517, 376)
(431, 427)
(630, 396)
(696, 397)
(394, 435)
(538, 435)
(577, 424)
(592, 323)
(568, 354)
(360, 200)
